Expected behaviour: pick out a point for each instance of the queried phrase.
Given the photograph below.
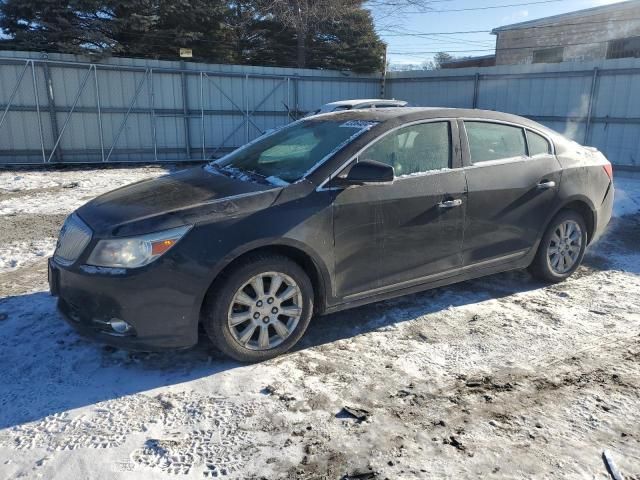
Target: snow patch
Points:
(421, 174)
(361, 124)
(627, 196)
(36, 192)
(15, 255)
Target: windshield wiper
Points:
(240, 173)
(218, 169)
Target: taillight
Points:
(609, 169)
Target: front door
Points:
(394, 235)
(513, 180)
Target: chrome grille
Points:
(74, 238)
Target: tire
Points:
(555, 267)
(233, 307)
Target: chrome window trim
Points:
(500, 161)
(510, 124)
(321, 187)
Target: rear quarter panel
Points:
(583, 177)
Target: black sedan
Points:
(330, 212)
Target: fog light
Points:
(119, 326)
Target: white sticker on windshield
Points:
(363, 124)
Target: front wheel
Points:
(561, 249)
(260, 309)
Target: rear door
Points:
(396, 234)
(513, 178)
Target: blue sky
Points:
(402, 49)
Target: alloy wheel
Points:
(265, 311)
(564, 246)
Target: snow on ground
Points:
(34, 195)
(627, 199)
(62, 191)
(17, 254)
(496, 377)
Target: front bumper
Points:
(158, 304)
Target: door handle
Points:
(546, 185)
(450, 203)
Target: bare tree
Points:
(391, 14)
(304, 16)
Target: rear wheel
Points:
(260, 309)
(561, 249)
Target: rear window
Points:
(494, 141)
(538, 145)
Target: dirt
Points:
(26, 227)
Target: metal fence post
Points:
(204, 153)
(152, 112)
(245, 92)
(37, 99)
(592, 99)
(51, 105)
(295, 97)
(288, 105)
(383, 74)
(99, 107)
(476, 90)
(185, 109)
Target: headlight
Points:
(134, 252)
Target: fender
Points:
(567, 201)
(324, 277)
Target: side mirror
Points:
(367, 172)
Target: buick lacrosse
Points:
(331, 212)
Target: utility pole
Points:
(383, 78)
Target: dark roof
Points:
(578, 14)
(408, 114)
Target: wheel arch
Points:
(308, 260)
(583, 206)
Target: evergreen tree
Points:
(348, 42)
(159, 28)
(69, 26)
(335, 34)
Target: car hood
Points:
(184, 197)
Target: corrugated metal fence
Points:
(66, 109)
(63, 110)
(595, 103)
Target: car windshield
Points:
(289, 153)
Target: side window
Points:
(538, 145)
(414, 149)
(494, 141)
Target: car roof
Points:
(379, 101)
(409, 114)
